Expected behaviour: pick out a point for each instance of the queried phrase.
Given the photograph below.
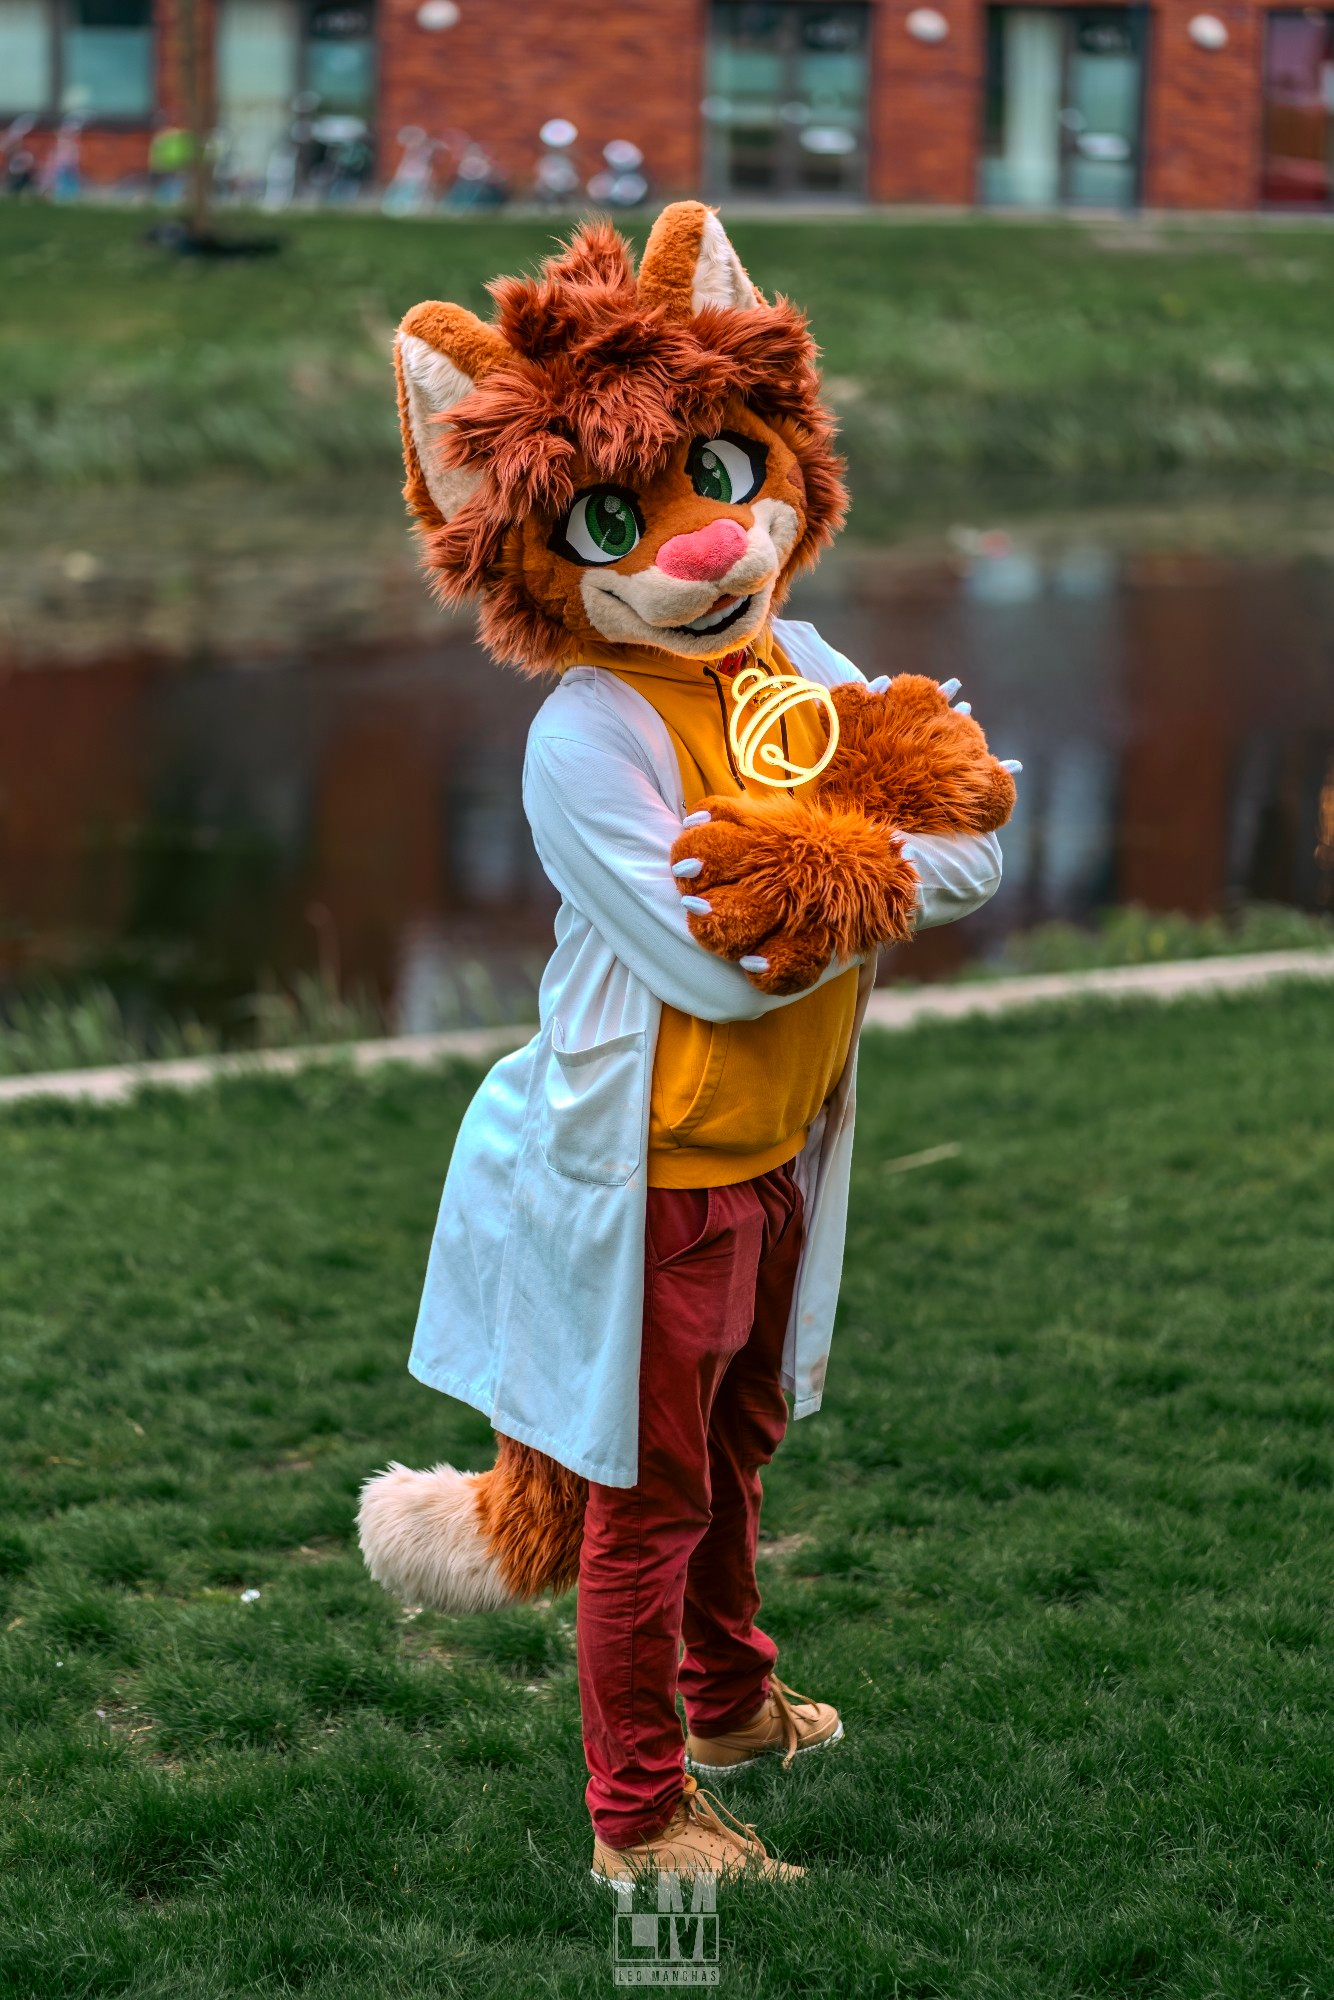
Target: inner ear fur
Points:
(441, 353)
(688, 263)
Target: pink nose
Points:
(707, 554)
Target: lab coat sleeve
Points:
(604, 834)
(956, 872)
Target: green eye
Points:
(728, 468)
(708, 474)
(601, 527)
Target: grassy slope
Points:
(963, 346)
(1059, 1546)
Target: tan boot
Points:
(701, 1838)
(788, 1725)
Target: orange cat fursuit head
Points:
(636, 465)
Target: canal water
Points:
(239, 743)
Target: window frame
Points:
(786, 189)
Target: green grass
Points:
(1132, 935)
(89, 1025)
(954, 348)
(1058, 1545)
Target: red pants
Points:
(673, 1557)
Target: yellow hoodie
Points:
(732, 1100)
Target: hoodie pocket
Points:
(593, 1109)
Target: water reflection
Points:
(252, 756)
(1174, 711)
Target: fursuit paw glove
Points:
(907, 758)
(785, 885)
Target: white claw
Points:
(697, 819)
(950, 688)
(697, 904)
(750, 963)
(685, 869)
(1011, 764)
(878, 685)
(963, 708)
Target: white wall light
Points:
(436, 15)
(927, 24)
(1207, 32)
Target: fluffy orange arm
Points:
(795, 883)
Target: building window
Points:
(340, 58)
(296, 94)
(27, 57)
(106, 58)
(1299, 103)
(1064, 94)
(77, 58)
(785, 113)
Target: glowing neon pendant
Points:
(759, 702)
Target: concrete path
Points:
(905, 1006)
(114, 1086)
(892, 1007)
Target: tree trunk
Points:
(197, 98)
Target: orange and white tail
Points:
(474, 1541)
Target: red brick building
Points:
(1182, 104)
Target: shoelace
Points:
(710, 1811)
(784, 1697)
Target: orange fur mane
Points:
(603, 379)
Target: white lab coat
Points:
(533, 1300)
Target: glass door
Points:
(1064, 96)
(257, 81)
(1025, 57)
(785, 113)
(1299, 98)
(1100, 120)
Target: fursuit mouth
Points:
(718, 620)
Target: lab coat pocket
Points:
(593, 1109)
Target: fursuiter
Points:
(626, 471)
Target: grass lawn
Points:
(954, 348)
(1059, 1546)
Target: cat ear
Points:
(441, 353)
(688, 263)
